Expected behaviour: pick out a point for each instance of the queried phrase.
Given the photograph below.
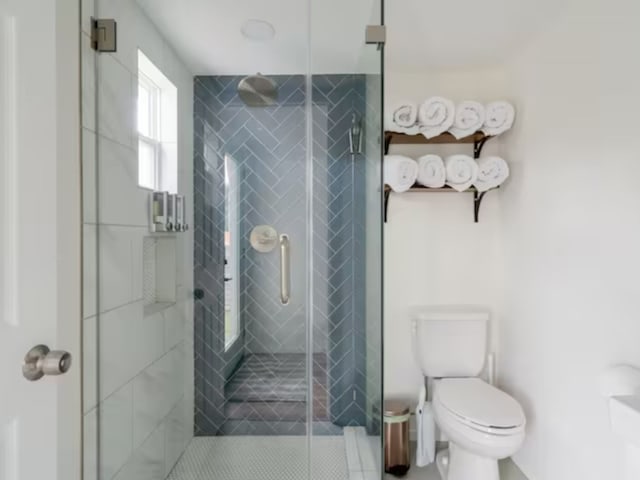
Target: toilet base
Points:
(442, 463)
(456, 463)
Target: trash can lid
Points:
(395, 407)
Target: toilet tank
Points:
(450, 341)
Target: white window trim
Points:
(155, 112)
(156, 146)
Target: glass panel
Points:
(249, 343)
(146, 165)
(347, 229)
(144, 110)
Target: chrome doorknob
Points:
(40, 361)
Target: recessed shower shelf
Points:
(478, 141)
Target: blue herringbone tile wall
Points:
(241, 391)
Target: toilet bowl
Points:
(482, 423)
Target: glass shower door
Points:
(232, 242)
(346, 301)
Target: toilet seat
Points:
(480, 406)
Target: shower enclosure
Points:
(232, 240)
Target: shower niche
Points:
(159, 273)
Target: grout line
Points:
(99, 135)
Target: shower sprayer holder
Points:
(355, 136)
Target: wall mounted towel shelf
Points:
(478, 140)
(477, 197)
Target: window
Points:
(157, 128)
(148, 132)
(231, 254)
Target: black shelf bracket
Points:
(387, 143)
(387, 194)
(477, 201)
(478, 145)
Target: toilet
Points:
(482, 423)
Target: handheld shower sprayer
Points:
(355, 136)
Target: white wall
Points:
(138, 371)
(564, 231)
(571, 231)
(434, 252)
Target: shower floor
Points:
(273, 387)
(347, 457)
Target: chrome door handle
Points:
(40, 361)
(285, 281)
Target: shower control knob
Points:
(198, 294)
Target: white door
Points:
(39, 236)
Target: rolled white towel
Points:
(435, 116)
(468, 120)
(400, 172)
(499, 117)
(492, 172)
(462, 171)
(431, 172)
(403, 118)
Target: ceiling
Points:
(207, 34)
(426, 34)
(422, 34)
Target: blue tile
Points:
(269, 145)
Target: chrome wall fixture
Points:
(263, 238)
(355, 136)
(168, 212)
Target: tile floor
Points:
(353, 456)
(261, 458)
(508, 471)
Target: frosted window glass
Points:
(146, 165)
(144, 110)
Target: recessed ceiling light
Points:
(258, 30)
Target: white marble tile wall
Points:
(138, 370)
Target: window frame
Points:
(155, 121)
(232, 252)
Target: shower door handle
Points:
(285, 267)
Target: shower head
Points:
(258, 91)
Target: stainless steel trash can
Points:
(397, 456)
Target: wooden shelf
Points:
(420, 188)
(478, 140)
(477, 197)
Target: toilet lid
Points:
(480, 403)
